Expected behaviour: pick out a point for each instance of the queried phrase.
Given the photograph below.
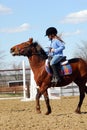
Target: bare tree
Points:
(2, 56)
(17, 68)
(81, 50)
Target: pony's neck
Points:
(36, 63)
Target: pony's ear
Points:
(38, 47)
(30, 40)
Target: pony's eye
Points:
(21, 50)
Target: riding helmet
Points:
(50, 31)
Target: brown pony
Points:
(37, 57)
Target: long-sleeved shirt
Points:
(58, 47)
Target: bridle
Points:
(30, 55)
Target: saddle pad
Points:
(66, 69)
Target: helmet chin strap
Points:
(51, 39)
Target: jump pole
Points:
(24, 81)
(33, 86)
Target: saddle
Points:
(65, 67)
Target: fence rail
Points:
(16, 89)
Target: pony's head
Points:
(28, 48)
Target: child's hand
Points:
(52, 50)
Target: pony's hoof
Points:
(47, 113)
(38, 111)
(77, 111)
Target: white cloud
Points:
(77, 32)
(21, 28)
(75, 18)
(5, 10)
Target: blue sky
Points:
(21, 19)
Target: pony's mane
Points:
(40, 50)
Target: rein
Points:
(34, 54)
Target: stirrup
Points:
(57, 80)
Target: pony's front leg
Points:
(38, 95)
(40, 91)
(46, 97)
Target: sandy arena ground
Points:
(19, 115)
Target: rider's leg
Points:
(56, 72)
(56, 68)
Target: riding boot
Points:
(56, 69)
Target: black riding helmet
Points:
(50, 31)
